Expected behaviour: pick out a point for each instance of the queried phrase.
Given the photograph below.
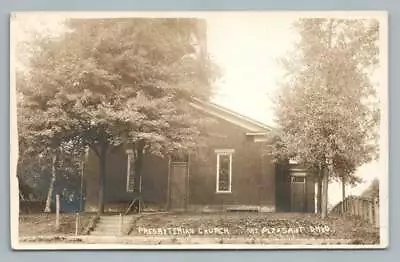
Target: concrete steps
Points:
(113, 225)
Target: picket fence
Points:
(363, 208)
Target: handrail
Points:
(136, 199)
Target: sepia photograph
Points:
(199, 130)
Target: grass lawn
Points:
(231, 226)
(44, 224)
(257, 225)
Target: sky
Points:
(247, 47)
(248, 50)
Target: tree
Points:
(327, 107)
(108, 82)
(41, 155)
(373, 190)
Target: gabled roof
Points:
(254, 127)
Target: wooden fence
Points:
(363, 208)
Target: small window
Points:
(130, 171)
(224, 171)
(298, 179)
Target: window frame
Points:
(295, 179)
(226, 152)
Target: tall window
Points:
(224, 170)
(130, 171)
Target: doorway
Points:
(298, 192)
(178, 185)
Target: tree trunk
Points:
(326, 169)
(343, 194)
(47, 208)
(319, 193)
(324, 208)
(138, 166)
(102, 178)
(343, 189)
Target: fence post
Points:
(57, 212)
(350, 204)
(355, 203)
(365, 209)
(361, 208)
(76, 224)
(121, 223)
(370, 211)
(341, 211)
(376, 207)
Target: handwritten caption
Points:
(319, 229)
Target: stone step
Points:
(97, 233)
(106, 224)
(110, 227)
(110, 218)
(117, 217)
(107, 231)
(101, 233)
(114, 218)
(110, 223)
